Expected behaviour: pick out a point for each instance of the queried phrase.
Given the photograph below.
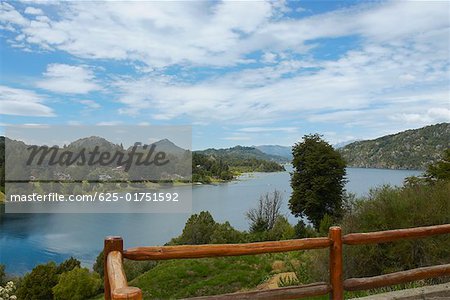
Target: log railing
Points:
(116, 285)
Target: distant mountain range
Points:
(410, 149)
(276, 150)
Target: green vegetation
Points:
(392, 208)
(2, 275)
(440, 171)
(38, 284)
(188, 278)
(205, 169)
(223, 164)
(202, 229)
(7, 291)
(317, 181)
(264, 216)
(77, 284)
(411, 149)
(243, 153)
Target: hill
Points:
(276, 150)
(241, 152)
(410, 149)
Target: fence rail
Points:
(116, 285)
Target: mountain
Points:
(241, 152)
(343, 144)
(276, 150)
(410, 149)
(93, 141)
(168, 147)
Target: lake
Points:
(30, 239)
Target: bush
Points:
(198, 230)
(304, 231)
(393, 208)
(281, 230)
(68, 265)
(226, 234)
(38, 283)
(2, 274)
(77, 284)
(6, 292)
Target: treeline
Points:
(209, 168)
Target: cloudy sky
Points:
(244, 73)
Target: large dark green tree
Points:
(317, 181)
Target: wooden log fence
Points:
(116, 285)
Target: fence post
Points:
(336, 268)
(112, 243)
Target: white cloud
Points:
(10, 16)
(33, 11)
(268, 129)
(61, 78)
(109, 123)
(90, 104)
(336, 91)
(214, 33)
(237, 138)
(21, 102)
(396, 75)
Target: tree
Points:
(38, 283)
(317, 181)
(68, 265)
(2, 274)
(198, 229)
(77, 284)
(441, 169)
(99, 264)
(226, 234)
(264, 216)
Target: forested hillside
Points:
(243, 153)
(411, 149)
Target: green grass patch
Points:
(201, 277)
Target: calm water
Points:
(27, 240)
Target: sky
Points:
(247, 73)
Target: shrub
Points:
(281, 230)
(38, 283)
(6, 292)
(304, 231)
(77, 284)
(198, 230)
(226, 234)
(68, 265)
(2, 274)
(392, 208)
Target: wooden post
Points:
(336, 268)
(112, 243)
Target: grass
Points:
(208, 276)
